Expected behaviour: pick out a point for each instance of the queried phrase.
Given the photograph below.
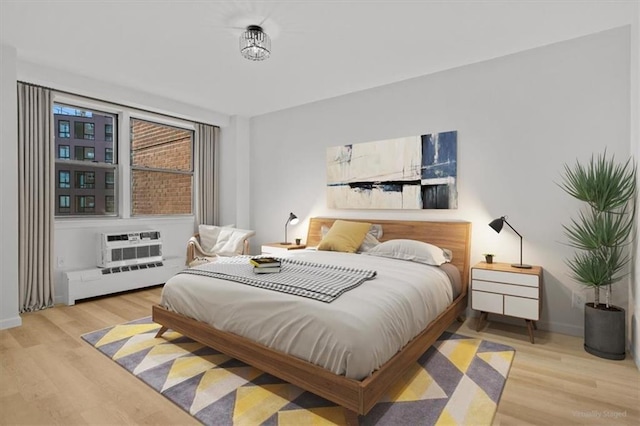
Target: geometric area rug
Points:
(457, 381)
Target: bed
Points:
(358, 388)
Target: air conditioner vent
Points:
(127, 249)
(116, 269)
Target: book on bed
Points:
(264, 262)
(265, 270)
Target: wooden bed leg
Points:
(351, 417)
(483, 317)
(530, 326)
(161, 331)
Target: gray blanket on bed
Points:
(321, 282)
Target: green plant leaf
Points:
(602, 232)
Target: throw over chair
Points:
(213, 241)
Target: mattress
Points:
(352, 336)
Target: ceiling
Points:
(187, 50)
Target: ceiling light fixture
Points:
(255, 44)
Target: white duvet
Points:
(353, 335)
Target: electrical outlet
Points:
(578, 300)
(60, 262)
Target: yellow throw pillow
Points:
(344, 236)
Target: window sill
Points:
(94, 222)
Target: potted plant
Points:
(488, 257)
(601, 232)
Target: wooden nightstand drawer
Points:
(506, 277)
(521, 307)
(486, 302)
(514, 290)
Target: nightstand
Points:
(500, 288)
(279, 248)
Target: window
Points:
(84, 130)
(108, 180)
(64, 129)
(156, 174)
(85, 180)
(85, 204)
(89, 168)
(85, 153)
(63, 201)
(63, 152)
(109, 204)
(161, 169)
(64, 204)
(64, 179)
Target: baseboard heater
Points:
(100, 281)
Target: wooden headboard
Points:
(453, 235)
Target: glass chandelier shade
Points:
(255, 44)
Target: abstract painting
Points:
(416, 172)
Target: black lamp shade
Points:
(293, 219)
(497, 224)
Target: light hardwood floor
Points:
(48, 375)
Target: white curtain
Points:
(206, 161)
(36, 194)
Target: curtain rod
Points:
(112, 103)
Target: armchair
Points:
(213, 241)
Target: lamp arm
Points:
(512, 228)
(505, 221)
(285, 229)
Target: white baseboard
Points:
(10, 323)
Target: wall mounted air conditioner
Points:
(129, 248)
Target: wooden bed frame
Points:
(357, 396)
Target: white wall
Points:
(234, 173)
(519, 119)
(8, 190)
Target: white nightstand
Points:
(500, 288)
(279, 248)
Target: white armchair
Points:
(213, 241)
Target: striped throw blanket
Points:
(301, 278)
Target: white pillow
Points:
(231, 241)
(415, 251)
(208, 236)
(368, 243)
(376, 231)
